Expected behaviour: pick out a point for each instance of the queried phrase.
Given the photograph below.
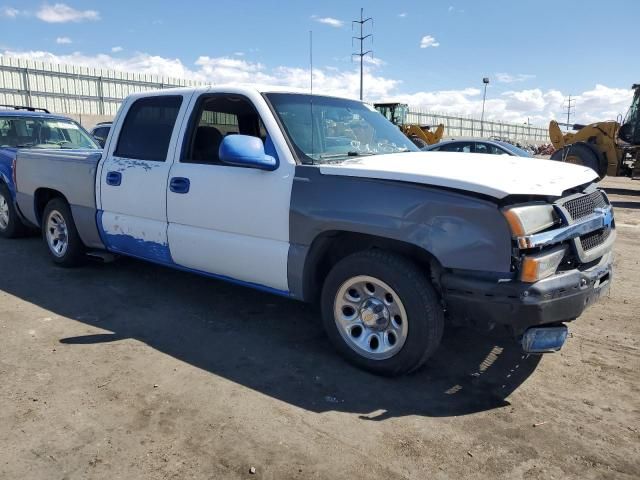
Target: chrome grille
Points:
(594, 239)
(585, 205)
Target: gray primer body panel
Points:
(460, 231)
(73, 174)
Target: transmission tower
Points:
(362, 53)
(571, 105)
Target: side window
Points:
(101, 132)
(216, 117)
(457, 147)
(488, 148)
(481, 148)
(147, 128)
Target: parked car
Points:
(100, 132)
(30, 128)
(478, 145)
(240, 185)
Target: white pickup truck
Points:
(322, 199)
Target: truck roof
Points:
(238, 89)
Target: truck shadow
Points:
(270, 344)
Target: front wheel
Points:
(60, 234)
(381, 312)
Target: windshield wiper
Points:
(345, 154)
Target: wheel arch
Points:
(41, 197)
(329, 247)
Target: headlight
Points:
(530, 219)
(539, 266)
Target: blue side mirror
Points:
(246, 151)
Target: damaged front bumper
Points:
(554, 300)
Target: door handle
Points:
(114, 178)
(179, 185)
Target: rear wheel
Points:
(381, 312)
(60, 234)
(580, 154)
(10, 224)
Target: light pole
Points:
(485, 80)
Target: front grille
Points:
(594, 239)
(585, 205)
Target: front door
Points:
(132, 214)
(224, 220)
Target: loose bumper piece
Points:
(544, 339)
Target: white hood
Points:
(494, 175)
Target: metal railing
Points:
(465, 126)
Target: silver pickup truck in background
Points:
(322, 199)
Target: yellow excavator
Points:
(607, 147)
(420, 135)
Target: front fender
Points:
(461, 231)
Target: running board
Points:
(104, 257)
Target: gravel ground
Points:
(129, 370)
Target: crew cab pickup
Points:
(322, 199)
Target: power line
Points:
(361, 39)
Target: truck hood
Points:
(494, 175)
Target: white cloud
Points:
(63, 41)
(333, 22)
(117, 49)
(63, 13)
(428, 41)
(239, 54)
(538, 105)
(402, 15)
(451, 8)
(509, 78)
(10, 12)
(373, 61)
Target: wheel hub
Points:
(4, 212)
(375, 314)
(370, 317)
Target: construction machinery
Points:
(607, 147)
(421, 135)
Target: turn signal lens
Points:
(530, 219)
(542, 265)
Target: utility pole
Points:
(361, 38)
(485, 81)
(570, 105)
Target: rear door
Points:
(132, 189)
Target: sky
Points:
(430, 54)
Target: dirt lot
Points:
(129, 370)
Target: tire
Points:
(581, 154)
(60, 234)
(418, 142)
(402, 311)
(10, 224)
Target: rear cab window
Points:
(147, 128)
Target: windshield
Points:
(326, 129)
(37, 132)
(518, 151)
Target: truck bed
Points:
(67, 173)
